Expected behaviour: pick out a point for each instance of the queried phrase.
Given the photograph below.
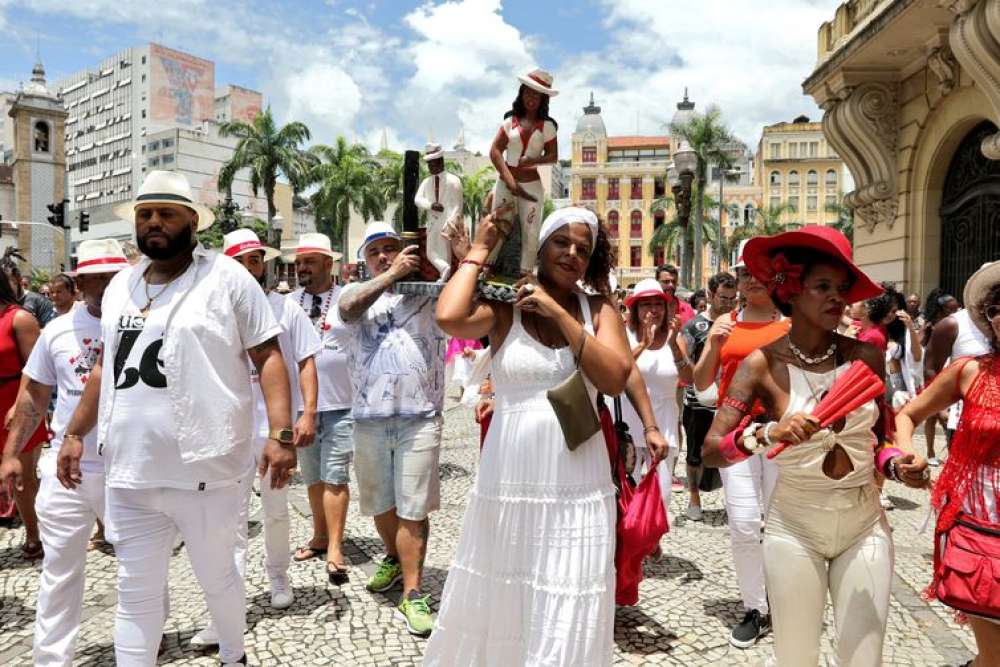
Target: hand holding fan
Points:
(849, 392)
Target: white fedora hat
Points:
(433, 152)
(375, 231)
(540, 80)
(241, 241)
(316, 243)
(99, 256)
(977, 289)
(166, 187)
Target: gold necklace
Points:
(149, 299)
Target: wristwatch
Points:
(749, 439)
(283, 435)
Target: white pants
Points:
(528, 212)
(748, 486)
(274, 502)
(65, 522)
(142, 525)
(836, 541)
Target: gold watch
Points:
(283, 435)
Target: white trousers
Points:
(142, 525)
(530, 215)
(277, 524)
(748, 486)
(830, 540)
(65, 522)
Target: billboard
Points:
(244, 104)
(181, 87)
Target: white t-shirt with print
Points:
(396, 357)
(299, 341)
(331, 362)
(63, 357)
(142, 450)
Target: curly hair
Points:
(808, 258)
(517, 108)
(601, 262)
(934, 305)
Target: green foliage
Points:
(844, 223)
(348, 177)
(390, 182)
(672, 233)
(212, 237)
(475, 188)
(38, 278)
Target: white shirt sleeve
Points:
(254, 317)
(305, 341)
(423, 197)
(548, 131)
(40, 366)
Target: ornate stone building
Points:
(911, 100)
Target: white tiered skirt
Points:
(533, 579)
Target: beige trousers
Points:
(835, 541)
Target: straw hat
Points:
(166, 187)
(310, 243)
(433, 152)
(976, 291)
(241, 241)
(539, 80)
(99, 256)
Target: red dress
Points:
(11, 364)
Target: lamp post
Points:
(722, 179)
(685, 164)
(274, 240)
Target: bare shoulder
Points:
(24, 320)
(852, 349)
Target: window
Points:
(658, 257)
(813, 148)
(812, 203)
(168, 159)
(635, 256)
(154, 161)
(613, 189)
(635, 225)
(830, 201)
(143, 78)
(658, 219)
(775, 151)
(774, 202)
(793, 150)
(589, 189)
(793, 204)
(812, 179)
(776, 179)
(154, 145)
(41, 137)
(590, 153)
(613, 224)
(144, 60)
(749, 214)
(143, 113)
(831, 178)
(659, 187)
(636, 188)
(793, 179)
(167, 143)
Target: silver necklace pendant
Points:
(812, 361)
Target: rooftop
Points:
(635, 141)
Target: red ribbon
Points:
(102, 260)
(232, 251)
(781, 277)
(538, 80)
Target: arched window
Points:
(775, 178)
(658, 218)
(41, 137)
(812, 179)
(793, 179)
(613, 224)
(749, 213)
(831, 178)
(635, 225)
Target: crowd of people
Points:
(215, 379)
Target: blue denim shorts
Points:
(328, 459)
(397, 465)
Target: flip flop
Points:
(308, 553)
(337, 575)
(32, 550)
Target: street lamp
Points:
(685, 164)
(274, 239)
(722, 179)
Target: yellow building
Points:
(620, 178)
(796, 166)
(911, 102)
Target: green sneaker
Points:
(388, 574)
(417, 614)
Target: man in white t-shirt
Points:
(175, 416)
(62, 358)
(299, 345)
(396, 358)
(326, 464)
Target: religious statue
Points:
(440, 194)
(525, 140)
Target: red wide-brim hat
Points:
(827, 240)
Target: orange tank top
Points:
(745, 338)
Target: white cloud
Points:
(322, 94)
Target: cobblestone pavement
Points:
(689, 599)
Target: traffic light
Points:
(84, 221)
(58, 211)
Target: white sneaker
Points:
(694, 513)
(206, 638)
(886, 502)
(282, 596)
(934, 461)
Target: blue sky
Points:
(422, 70)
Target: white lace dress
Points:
(533, 578)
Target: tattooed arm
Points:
(32, 401)
(278, 457)
(734, 407)
(359, 299)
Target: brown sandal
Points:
(308, 553)
(32, 551)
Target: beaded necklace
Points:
(324, 308)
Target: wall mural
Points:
(182, 87)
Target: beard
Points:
(175, 245)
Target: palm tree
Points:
(765, 222)
(673, 233)
(845, 218)
(266, 150)
(475, 188)
(712, 143)
(390, 182)
(347, 177)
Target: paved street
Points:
(689, 599)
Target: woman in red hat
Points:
(826, 530)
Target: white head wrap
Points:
(562, 217)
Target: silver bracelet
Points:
(767, 433)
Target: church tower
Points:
(39, 166)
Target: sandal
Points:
(308, 553)
(32, 551)
(338, 575)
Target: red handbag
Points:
(967, 567)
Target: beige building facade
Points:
(911, 102)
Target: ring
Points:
(529, 288)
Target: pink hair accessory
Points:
(781, 277)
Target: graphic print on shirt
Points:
(130, 328)
(83, 361)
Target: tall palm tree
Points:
(347, 177)
(712, 143)
(673, 233)
(266, 150)
(390, 182)
(475, 188)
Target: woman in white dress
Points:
(533, 578)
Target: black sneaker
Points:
(754, 626)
